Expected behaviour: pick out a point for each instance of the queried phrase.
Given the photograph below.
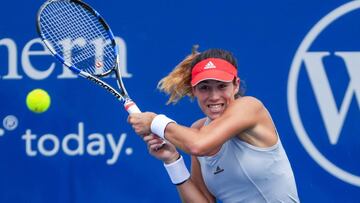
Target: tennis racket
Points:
(81, 39)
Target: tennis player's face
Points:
(214, 96)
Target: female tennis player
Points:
(236, 152)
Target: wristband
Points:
(177, 171)
(159, 124)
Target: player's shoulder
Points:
(249, 101)
(199, 123)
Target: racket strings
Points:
(79, 36)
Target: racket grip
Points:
(131, 107)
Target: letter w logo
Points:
(333, 117)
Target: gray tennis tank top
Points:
(241, 172)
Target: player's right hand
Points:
(165, 152)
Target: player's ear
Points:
(237, 84)
(193, 90)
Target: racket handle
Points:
(131, 107)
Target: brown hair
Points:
(178, 82)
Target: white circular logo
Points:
(293, 106)
(10, 122)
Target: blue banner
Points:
(300, 58)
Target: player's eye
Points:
(203, 87)
(223, 86)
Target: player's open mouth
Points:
(215, 107)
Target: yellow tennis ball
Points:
(38, 100)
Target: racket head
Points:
(78, 36)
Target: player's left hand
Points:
(141, 122)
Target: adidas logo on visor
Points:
(209, 65)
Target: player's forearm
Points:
(189, 193)
(180, 177)
(191, 140)
(186, 139)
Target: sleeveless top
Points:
(241, 172)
